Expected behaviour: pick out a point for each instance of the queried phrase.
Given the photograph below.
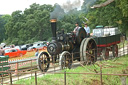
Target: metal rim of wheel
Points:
(43, 61)
(115, 50)
(65, 60)
(81, 49)
(90, 51)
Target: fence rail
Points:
(64, 73)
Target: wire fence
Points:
(29, 70)
(65, 75)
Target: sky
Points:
(9, 6)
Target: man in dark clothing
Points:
(76, 28)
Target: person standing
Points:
(76, 28)
(87, 29)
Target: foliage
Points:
(123, 5)
(87, 4)
(68, 21)
(30, 25)
(3, 20)
(33, 23)
(110, 15)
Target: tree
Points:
(123, 5)
(30, 25)
(108, 15)
(87, 4)
(3, 20)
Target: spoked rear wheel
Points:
(65, 60)
(89, 51)
(43, 61)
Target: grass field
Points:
(114, 66)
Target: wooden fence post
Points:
(35, 78)
(64, 77)
(2, 74)
(10, 78)
(101, 74)
(123, 80)
(127, 46)
(123, 49)
(16, 68)
(31, 68)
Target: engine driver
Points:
(76, 28)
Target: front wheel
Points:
(43, 61)
(65, 60)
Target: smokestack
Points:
(53, 28)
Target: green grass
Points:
(114, 66)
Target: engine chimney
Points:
(53, 27)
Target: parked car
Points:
(37, 46)
(18, 47)
(26, 46)
(14, 52)
(2, 45)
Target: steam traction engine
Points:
(67, 47)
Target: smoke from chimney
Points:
(57, 13)
(60, 11)
(71, 5)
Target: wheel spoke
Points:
(90, 45)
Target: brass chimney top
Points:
(53, 20)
